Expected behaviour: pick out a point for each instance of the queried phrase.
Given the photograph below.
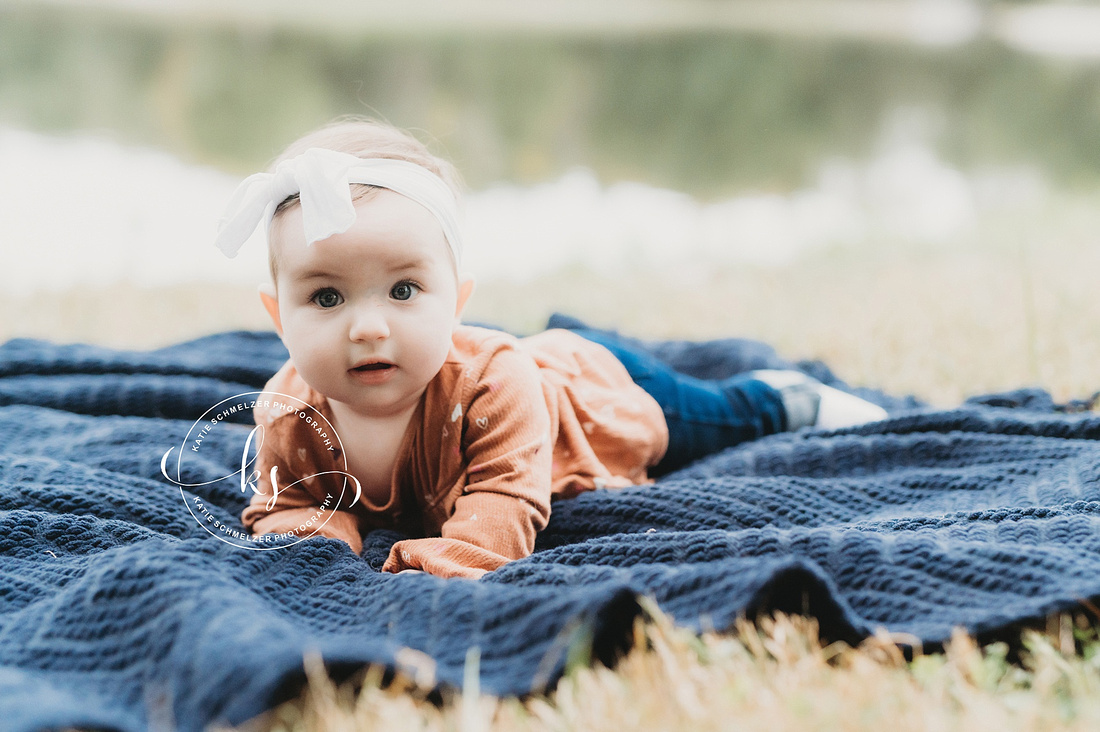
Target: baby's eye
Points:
(327, 298)
(404, 291)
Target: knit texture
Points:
(117, 610)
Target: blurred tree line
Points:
(708, 113)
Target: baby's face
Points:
(367, 315)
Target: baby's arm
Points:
(296, 507)
(506, 501)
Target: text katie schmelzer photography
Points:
(217, 425)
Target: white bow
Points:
(322, 179)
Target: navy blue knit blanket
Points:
(118, 611)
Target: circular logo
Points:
(315, 443)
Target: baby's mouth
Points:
(372, 372)
(376, 366)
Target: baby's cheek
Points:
(304, 337)
(306, 353)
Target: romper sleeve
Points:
(296, 503)
(506, 499)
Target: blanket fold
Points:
(119, 609)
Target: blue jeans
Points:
(703, 416)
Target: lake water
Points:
(122, 138)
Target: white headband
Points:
(322, 178)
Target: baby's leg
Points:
(704, 416)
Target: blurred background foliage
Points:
(709, 113)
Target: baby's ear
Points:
(270, 299)
(465, 289)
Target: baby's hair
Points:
(364, 138)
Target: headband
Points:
(321, 178)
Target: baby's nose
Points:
(369, 324)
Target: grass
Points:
(773, 675)
(941, 323)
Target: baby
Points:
(457, 434)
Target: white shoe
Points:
(809, 402)
(840, 409)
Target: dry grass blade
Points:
(772, 675)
